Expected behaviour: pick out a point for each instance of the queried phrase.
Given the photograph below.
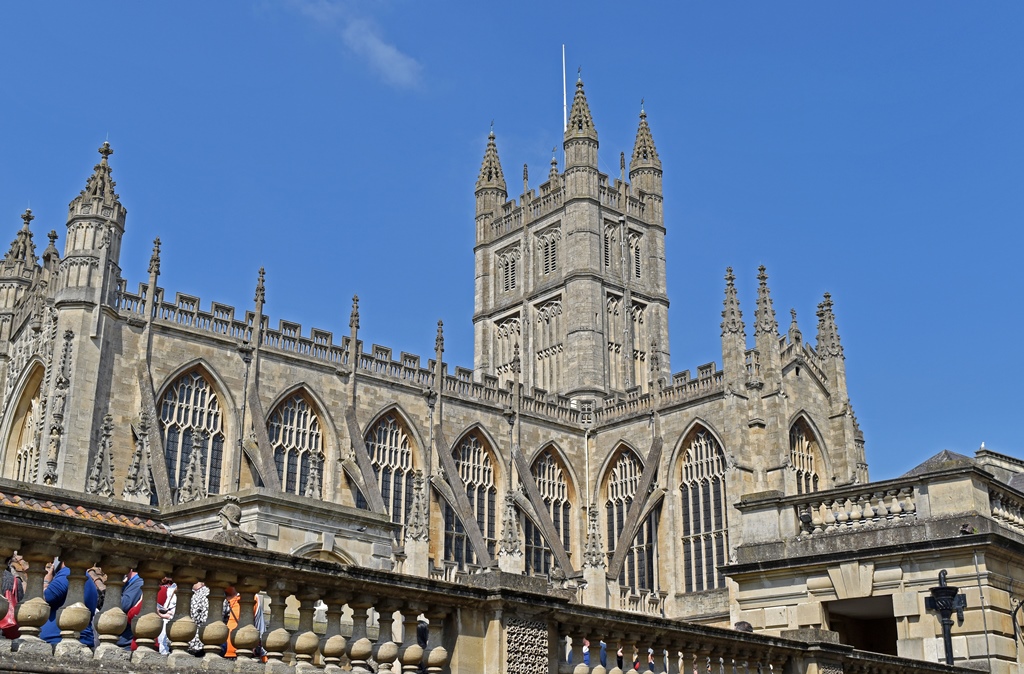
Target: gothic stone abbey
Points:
(570, 451)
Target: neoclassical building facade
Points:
(570, 451)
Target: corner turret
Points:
(92, 250)
(645, 166)
(491, 192)
(580, 142)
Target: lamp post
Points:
(946, 600)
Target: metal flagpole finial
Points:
(579, 74)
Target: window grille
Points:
(188, 407)
(802, 457)
(476, 470)
(549, 475)
(387, 443)
(705, 530)
(639, 572)
(295, 435)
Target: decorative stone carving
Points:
(314, 482)
(828, 335)
(193, 485)
(764, 321)
(230, 521)
(58, 402)
(732, 317)
(138, 484)
(101, 474)
(418, 526)
(510, 544)
(526, 646)
(593, 551)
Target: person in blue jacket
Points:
(55, 592)
(91, 598)
(131, 604)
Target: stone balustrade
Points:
(1007, 507)
(830, 512)
(368, 620)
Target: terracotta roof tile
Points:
(82, 513)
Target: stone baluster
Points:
(628, 645)
(411, 653)
(702, 658)
(843, 515)
(777, 662)
(660, 657)
(596, 636)
(182, 628)
(830, 514)
(278, 639)
(881, 510)
(333, 644)
(75, 616)
(895, 509)
(436, 657)
(817, 522)
(614, 643)
(148, 625)
(306, 642)
(385, 651)
(113, 621)
(247, 637)
(907, 494)
(855, 510)
(562, 664)
(578, 665)
(360, 648)
(215, 634)
(672, 657)
(33, 611)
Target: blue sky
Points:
(873, 150)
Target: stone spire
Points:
(51, 256)
(732, 317)
(795, 337)
(644, 153)
(828, 334)
(261, 291)
(154, 259)
(491, 175)
(593, 550)
(764, 320)
(353, 318)
(100, 184)
(581, 124)
(22, 248)
(553, 172)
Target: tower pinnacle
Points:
(22, 249)
(645, 155)
(732, 317)
(100, 184)
(581, 124)
(491, 175)
(828, 335)
(764, 321)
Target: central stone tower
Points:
(572, 278)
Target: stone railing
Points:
(829, 512)
(1006, 507)
(354, 619)
(683, 389)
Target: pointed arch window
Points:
(609, 242)
(295, 435)
(508, 269)
(547, 246)
(387, 443)
(25, 438)
(634, 247)
(804, 457)
(639, 572)
(704, 503)
(473, 459)
(549, 474)
(190, 414)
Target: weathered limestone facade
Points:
(570, 452)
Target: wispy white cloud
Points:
(363, 38)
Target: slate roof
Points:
(944, 460)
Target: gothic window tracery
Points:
(639, 572)
(634, 247)
(387, 443)
(295, 435)
(23, 442)
(547, 341)
(508, 268)
(190, 414)
(804, 457)
(473, 458)
(547, 245)
(609, 244)
(550, 476)
(507, 333)
(704, 503)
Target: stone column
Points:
(385, 651)
(360, 648)
(278, 639)
(112, 621)
(216, 632)
(333, 645)
(411, 653)
(305, 642)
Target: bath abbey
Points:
(401, 513)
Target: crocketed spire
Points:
(100, 184)
(828, 334)
(154, 259)
(644, 153)
(795, 336)
(764, 316)
(732, 317)
(23, 249)
(491, 175)
(553, 172)
(581, 124)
